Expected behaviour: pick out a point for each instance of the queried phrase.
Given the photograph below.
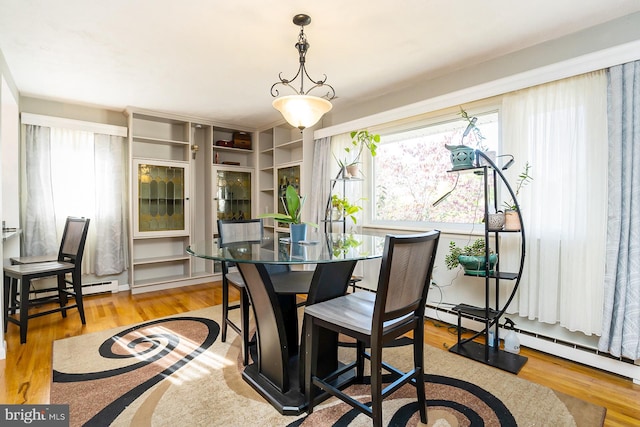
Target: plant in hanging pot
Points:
(293, 204)
(463, 156)
(360, 140)
(472, 258)
(512, 217)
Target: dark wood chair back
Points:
(73, 241)
(403, 284)
(230, 231)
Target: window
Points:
(410, 174)
(74, 172)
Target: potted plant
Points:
(472, 258)
(293, 204)
(462, 156)
(360, 140)
(512, 218)
(341, 206)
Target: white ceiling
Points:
(218, 59)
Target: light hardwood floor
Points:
(25, 375)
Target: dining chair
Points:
(18, 277)
(375, 320)
(284, 279)
(230, 231)
(45, 258)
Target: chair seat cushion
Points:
(33, 259)
(352, 311)
(349, 311)
(40, 269)
(235, 278)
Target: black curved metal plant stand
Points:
(491, 354)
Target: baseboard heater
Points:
(87, 289)
(567, 350)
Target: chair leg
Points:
(62, 296)
(418, 361)
(244, 325)
(24, 308)
(5, 302)
(310, 360)
(225, 308)
(77, 288)
(376, 384)
(360, 348)
(14, 295)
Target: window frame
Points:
(482, 107)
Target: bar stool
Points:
(69, 262)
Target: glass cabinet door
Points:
(161, 196)
(287, 176)
(233, 194)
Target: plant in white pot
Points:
(293, 204)
(472, 258)
(360, 140)
(512, 218)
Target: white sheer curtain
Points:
(38, 214)
(560, 128)
(75, 173)
(110, 206)
(320, 176)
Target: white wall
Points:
(9, 143)
(534, 65)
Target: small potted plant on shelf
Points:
(360, 140)
(472, 258)
(512, 218)
(293, 204)
(341, 206)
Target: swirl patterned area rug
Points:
(176, 371)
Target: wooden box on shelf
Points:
(242, 140)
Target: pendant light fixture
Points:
(302, 110)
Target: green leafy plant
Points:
(475, 129)
(523, 179)
(342, 245)
(477, 248)
(293, 204)
(342, 205)
(360, 140)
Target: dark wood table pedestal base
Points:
(278, 369)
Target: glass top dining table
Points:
(318, 248)
(277, 369)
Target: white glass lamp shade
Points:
(302, 111)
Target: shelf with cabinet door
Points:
(168, 213)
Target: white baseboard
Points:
(574, 353)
